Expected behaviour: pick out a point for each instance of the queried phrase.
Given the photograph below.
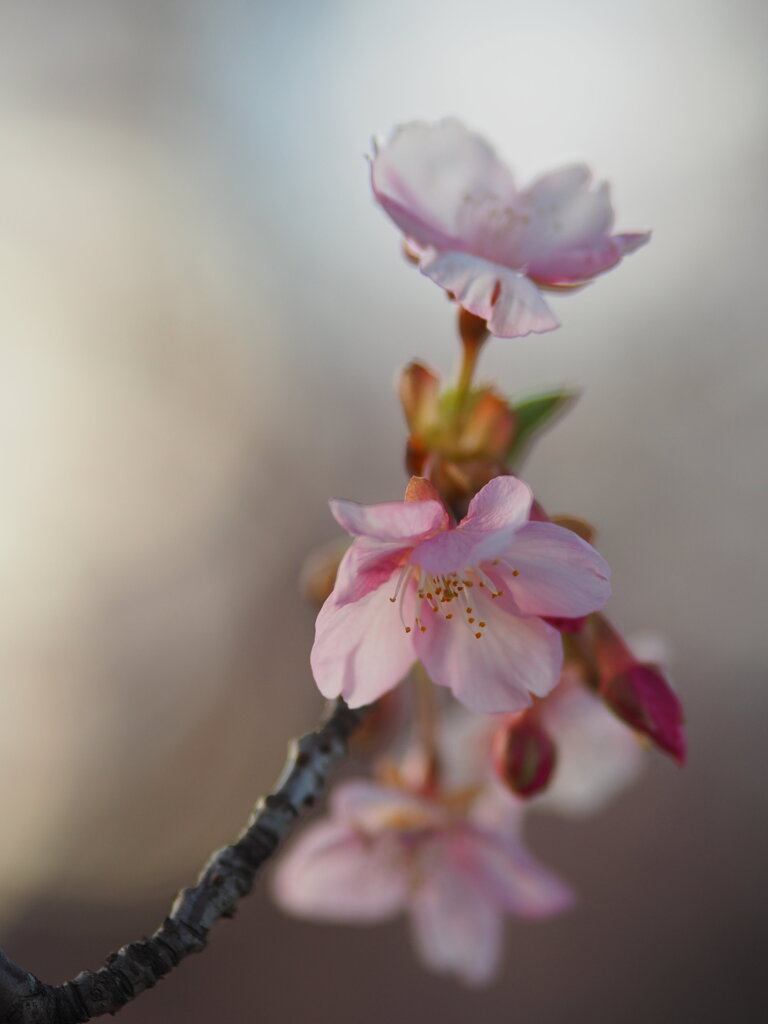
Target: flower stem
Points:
(473, 332)
(426, 718)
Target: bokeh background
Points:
(201, 317)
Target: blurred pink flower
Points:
(597, 756)
(384, 850)
(466, 601)
(488, 244)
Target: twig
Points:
(227, 877)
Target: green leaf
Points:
(534, 414)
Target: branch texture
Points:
(226, 878)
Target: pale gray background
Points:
(201, 314)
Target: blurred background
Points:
(202, 314)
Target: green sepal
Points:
(535, 414)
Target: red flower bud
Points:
(524, 755)
(639, 694)
(641, 697)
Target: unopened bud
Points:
(642, 697)
(318, 573)
(576, 525)
(524, 754)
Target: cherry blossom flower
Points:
(597, 755)
(488, 244)
(384, 850)
(467, 600)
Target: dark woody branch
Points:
(226, 878)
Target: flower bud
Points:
(318, 572)
(524, 755)
(642, 698)
(638, 693)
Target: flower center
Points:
(449, 595)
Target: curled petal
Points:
(512, 305)
(334, 873)
(361, 649)
(390, 520)
(565, 266)
(559, 574)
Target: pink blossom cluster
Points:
(527, 698)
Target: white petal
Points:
(511, 304)
(425, 175)
(597, 755)
(565, 211)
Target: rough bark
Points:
(226, 878)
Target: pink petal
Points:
(372, 807)
(598, 756)
(521, 885)
(511, 304)
(391, 520)
(513, 656)
(631, 241)
(580, 263)
(457, 926)
(334, 873)
(504, 502)
(559, 573)
(366, 566)
(425, 175)
(361, 649)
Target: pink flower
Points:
(467, 600)
(488, 244)
(383, 851)
(596, 755)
